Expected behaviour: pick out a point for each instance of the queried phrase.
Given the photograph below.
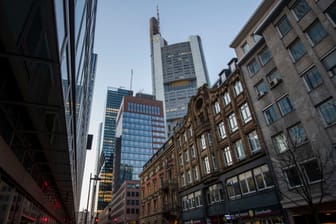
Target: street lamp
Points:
(96, 178)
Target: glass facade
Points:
(141, 130)
(113, 102)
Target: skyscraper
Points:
(140, 133)
(46, 84)
(177, 71)
(113, 101)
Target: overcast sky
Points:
(122, 44)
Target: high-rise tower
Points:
(177, 71)
(113, 101)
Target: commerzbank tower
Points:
(177, 71)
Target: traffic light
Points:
(96, 220)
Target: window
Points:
(274, 78)
(283, 26)
(285, 106)
(182, 180)
(297, 134)
(245, 47)
(233, 189)
(238, 88)
(328, 111)
(300, 8)
(293, 177)
(312, 78)
(316, 33)
(330, 63)
(195, 172)
(245, 113)
(181, 160)
(308, 172)
(256, 37)
(186, 156)
(227, 99)
(331, 13)
(215, 193)
(270, 115)
(247, 183)
(189, 177)
(253, 67)
(296, 50)
(192, 151)
(239, 149)
(233, 122)
(265, 56)
(217, 108)
(227, 156)
(312, 170)
(214, 162)
(254, 141)
(221, 130)
(280, 142)
(261, 88)
(262, 177)
(202, 141)
(198, 197)
(206, 165)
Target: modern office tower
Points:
(215, 168)
(113, 101)
(177, 71)
(287, 52)
(140, 132)
(46, 84)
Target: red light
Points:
(45, 183)
(44, 219)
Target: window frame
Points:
(312, 78)
(240, 150)
(294, 8)
(233, 124)
(280, 145)
(245, 112)
(296, 50)
(329, 113)
(254, 142)
(227, 156)
(253, 67)
(274, 119)
(262, 53)
(303, 139)
(284, 108)
(321, 33)
(221, 130)
(283, 21)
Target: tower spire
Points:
(158, 17)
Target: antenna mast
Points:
(131, 82)
(158, 17)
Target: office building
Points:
(177, 71)
(287, 54)
(113, 101)
(125, 205)
(140, 132)
(46, 84)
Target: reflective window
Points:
(239, 149)
(233, 188)
(253, 67)
(280, 142)
(221, 130)
(331, 13)
(330, 63)
(300, 8)
(245, 113)
(284, 26)
(245, 47)
(247, 183)
(262, 177)
(226, 98)
(227, 156)
(297, 134)
(285, 106)
(254, 141)
(261, 88)
(312, 78)
(233, 122)
(265, 56)
(296, 50)
(270, 115)
(316, 33)
(328, 111)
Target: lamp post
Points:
(96, 178)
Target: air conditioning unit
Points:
(274, 82)
(261, 93)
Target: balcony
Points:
(168, 185)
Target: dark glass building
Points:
(113, 101)
(46, 84)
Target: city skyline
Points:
(126, 45)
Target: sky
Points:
(122, 44)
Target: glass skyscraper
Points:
(177, 71)
(113, 101)
(140, 133)
(46, 86)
